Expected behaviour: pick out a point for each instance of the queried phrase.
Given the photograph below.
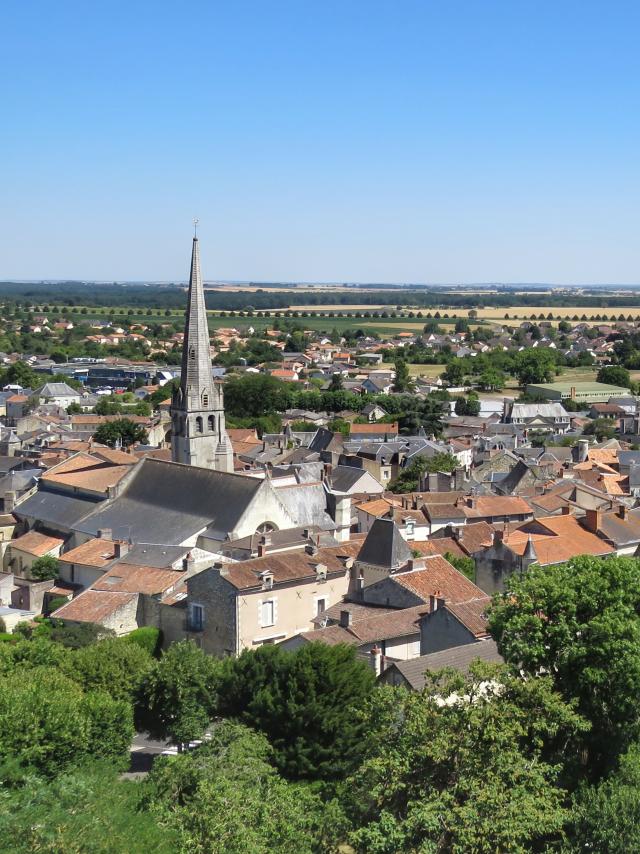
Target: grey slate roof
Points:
(344, 478)
(458, 657)
(56, 390)
(53, 509)
(385, 545)
(168, 503)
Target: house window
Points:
(267, 613)
(321, 605)
(196, 617)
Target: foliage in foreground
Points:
(469, 764)
(580, 623)
(227, 796)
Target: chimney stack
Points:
(120, 548)
(346, 619)
(105, 533)
(622, 511)
(593, 520)
(188, 563)
(376, 660)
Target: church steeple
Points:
(199, 435)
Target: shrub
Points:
(148, 637)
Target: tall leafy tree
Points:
(122, 430)
(614, 375)
(468, 764)
(606, 818)
(227, 796)
(580, 623)
(402, 382)
(305, 702)
(176, 698)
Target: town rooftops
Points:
(35, 543)
(435, 575)
(288, 567)
(384, 545)
(460, 658)
(170, 502)
(402, 622)
(374, 429)
(94, 606)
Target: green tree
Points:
(336, 383)
(614, 375)
(409, 478)
(579, 622)
(112, 665)
(534, 366)
(467, 406)
(81, 810)
(45, 567)
(227, 796)
(402, 382)
(305, 702)
(177, 697)
(606, 818)
(454, 373)
(491, 380)
(468, 764)
(601, 428)
(47, 723)
(122, 430)
(108, 406)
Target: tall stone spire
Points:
(198, 433)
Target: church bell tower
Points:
(198, 432)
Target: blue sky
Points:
(342, 141)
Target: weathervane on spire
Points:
(195, 226)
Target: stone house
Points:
(244, 605)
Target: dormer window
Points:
(267, 580)
(321, 572)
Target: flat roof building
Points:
(580, 392)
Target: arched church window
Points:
(212, 423)
(198, 424)
(266, 528)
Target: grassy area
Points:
(420, 370)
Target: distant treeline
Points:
(169, 296)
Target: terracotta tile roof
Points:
(499, 505)
(289, 566)
(96, 552)
(97, 479)
(472, 614)
(89, 471)
(111, 455)
(439, 546)
(94, 606)
(240, 434)
(375, 627)
(608, 456)
(361, 429)
(17, 398)
(131, 578)
(377, 507)
(438, 577)
(37, 544)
